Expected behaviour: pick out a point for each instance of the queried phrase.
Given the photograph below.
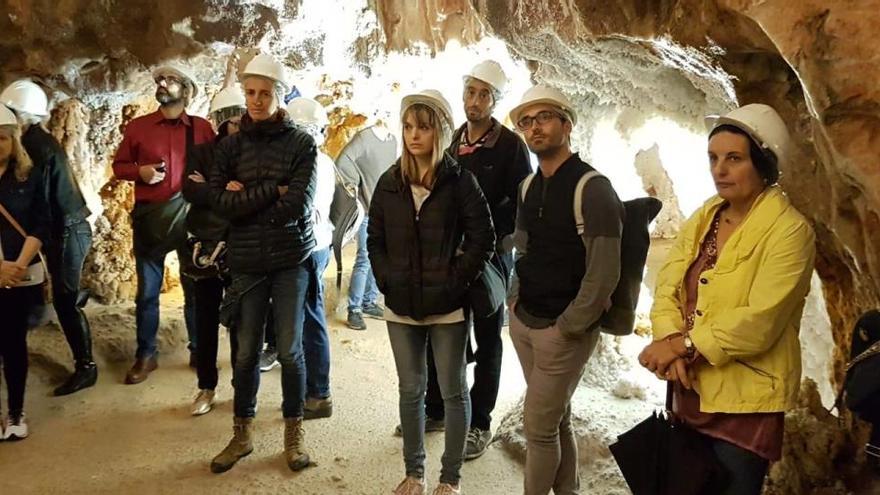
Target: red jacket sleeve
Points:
(125, 165)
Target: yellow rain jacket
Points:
(748, 307)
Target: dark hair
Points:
(764, 160)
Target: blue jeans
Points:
(362, 289)
(316, 340)
(287, 289)
(409, 345)
(150, 273)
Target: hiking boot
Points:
(268, 359)
(477, 442)
(241, 445)
(411, 486)
(356, 321)
(431, 425)
(83, 377)
(447, 489)
(315, 408)
(203, 402)
(373, 310)
(16, 428)
(294, 451)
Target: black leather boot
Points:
(84, 376)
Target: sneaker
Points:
(315, 408)
(204, 402)
(16, 428)
(431, 425)
(268, 359)
(411, 486)
(356, 321)
(447, 489)
(373, 310)
(477, 442)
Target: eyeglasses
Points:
(168, 80)
(542, 118)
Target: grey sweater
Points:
(364, 159)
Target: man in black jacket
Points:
(71, 235)
(500, 161)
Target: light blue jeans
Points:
(362, 290)
(409, 345)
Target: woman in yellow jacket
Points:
(729, 300)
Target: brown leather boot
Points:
(241, 445)
(294, 450)
(141, 369)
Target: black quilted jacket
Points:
(268, 232)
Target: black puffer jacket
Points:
(414, 256)
(66, 202)
(267, 232)
(202, 221)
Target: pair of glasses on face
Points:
(541, 118)
(168, 80)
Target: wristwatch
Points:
(689, 348)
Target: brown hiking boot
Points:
(294, 451)
(241, 445)
(315, 408)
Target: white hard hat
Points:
(230, 96)
(543, 94)
(490, 72)
(7, 117)
(266, 66)
(25, 96)
(431, 98)
(762, 123)
(180, 73)
(307, 111)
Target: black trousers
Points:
(65, 256)
(208, 296)
(15, 306)
(487, 371)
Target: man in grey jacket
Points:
(363, 160)
(565, 275)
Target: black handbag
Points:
(661, 456)
(486, 294)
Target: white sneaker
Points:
(16, 428)
(203, 402)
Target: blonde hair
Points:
(424, 115)
(19, 158)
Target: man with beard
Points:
(565, 275)
(153, 156)
(500, 161)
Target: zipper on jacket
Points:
(761, 372)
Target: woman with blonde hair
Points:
(429, 234)
(24, 229)
(729, 300)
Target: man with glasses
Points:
(153, 156)
(499, 160)
(565, 275)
